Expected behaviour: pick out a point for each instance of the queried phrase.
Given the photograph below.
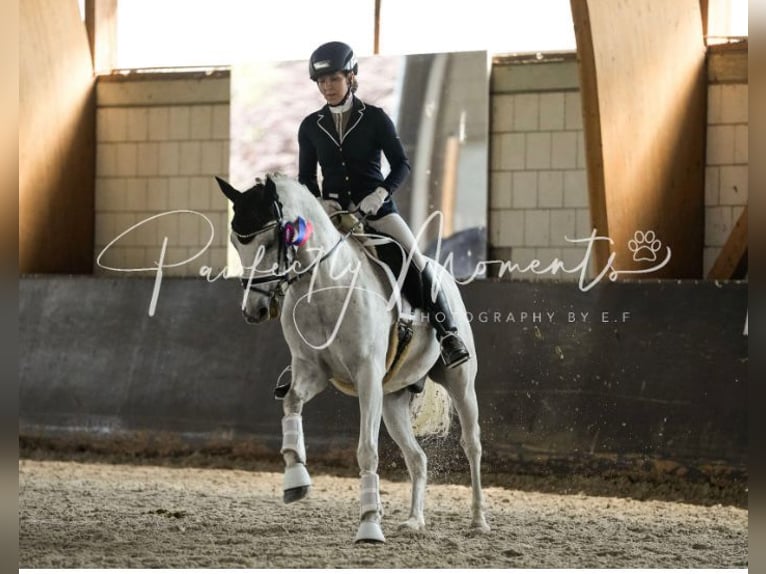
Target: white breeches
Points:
(394, 225)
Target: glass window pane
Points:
(726, 19)
(425, 26)
(170, 33)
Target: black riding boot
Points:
(453, 349)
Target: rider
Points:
(346, 137)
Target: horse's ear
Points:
(228, 190)
(271, 187)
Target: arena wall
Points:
(627, 373)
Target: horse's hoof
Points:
(294, 494)
(369, 531)
(480, 527)
(295, 483)
(412, 524)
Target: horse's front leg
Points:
(297, 481)
(370, 390)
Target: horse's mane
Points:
(293, 193)
(296, 200)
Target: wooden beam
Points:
(57, 140)
(101, 23)
(644, 92)
(732, 260)
(9, 142)
(376, 40)
(704, 5)
(592, 128)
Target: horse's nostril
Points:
(260, 315)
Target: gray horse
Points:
(339, 313)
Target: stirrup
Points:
(456, 354)
(280, 391)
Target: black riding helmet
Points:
(332, 57)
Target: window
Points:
(173, 33)
(727, 19)
(510, 26)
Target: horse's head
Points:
(256, 233)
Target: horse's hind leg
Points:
(396, 415)
(459, 385)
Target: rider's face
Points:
(333, 87)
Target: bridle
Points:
(286, 255)
(252, 283)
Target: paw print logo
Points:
(644, 246)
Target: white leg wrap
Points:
(292, 436)
(369, 494)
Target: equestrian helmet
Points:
(330, 58)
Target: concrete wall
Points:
(661, 376)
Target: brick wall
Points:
(538, 185)
(726, 172)
(160, 141)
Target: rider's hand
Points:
(374, 201)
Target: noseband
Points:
(252, 283)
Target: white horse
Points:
(333, 303)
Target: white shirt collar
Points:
(345, 106)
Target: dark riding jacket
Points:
(351, 167)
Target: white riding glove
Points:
(373, 202)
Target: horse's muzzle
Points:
(262, 313)
(259, 316)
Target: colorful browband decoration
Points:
(297, 232)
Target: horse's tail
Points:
(431, 410)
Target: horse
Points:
(334, 303)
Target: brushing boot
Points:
(453, 350)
